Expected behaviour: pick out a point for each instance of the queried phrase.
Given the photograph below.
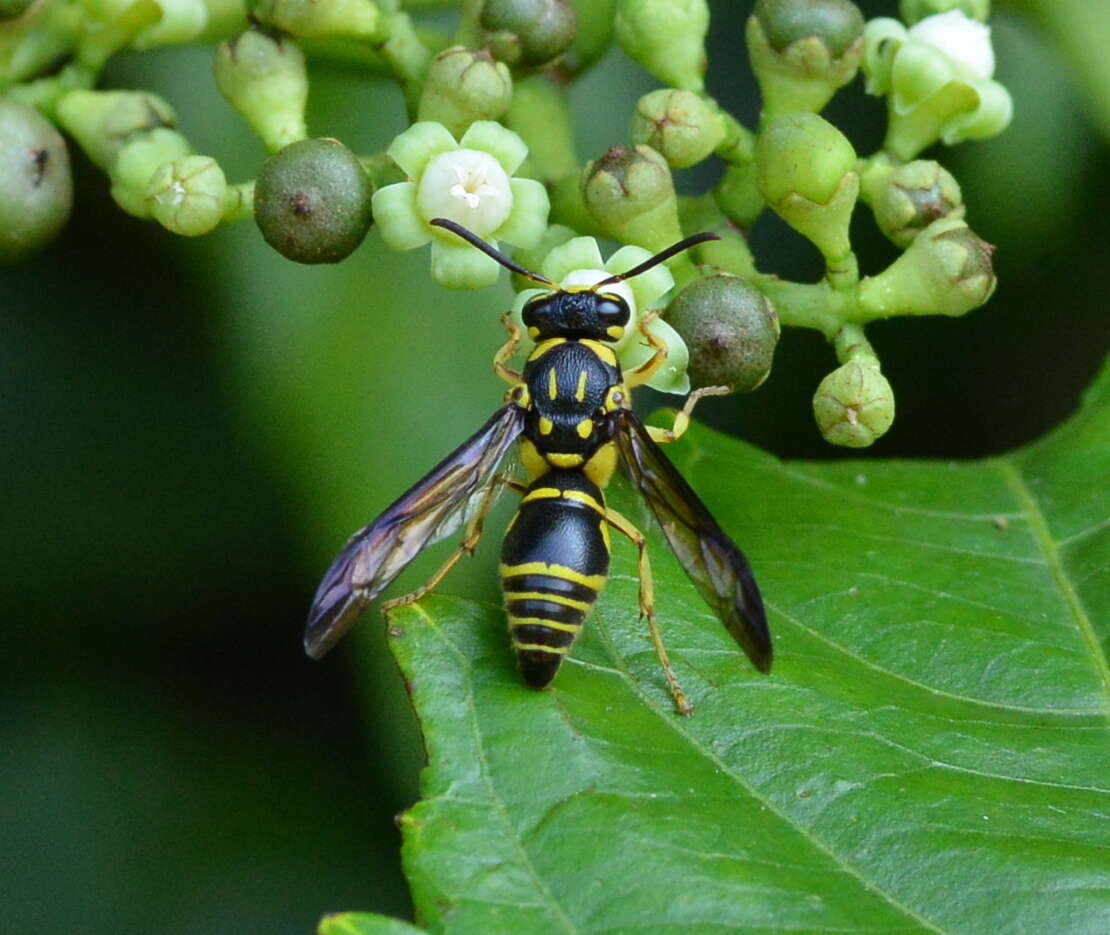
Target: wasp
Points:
(569, 411)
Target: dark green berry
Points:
(837, 23)
(312, 201)
(36, 188)
(730, 328)
(528, 32)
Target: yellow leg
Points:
(648, 368)
(508, 349)
(466, 547)
(682, 420)
(647, 606)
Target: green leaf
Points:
(931, 752)
(365, 923)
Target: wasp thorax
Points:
(577, 314)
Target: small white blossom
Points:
(467, 186)
(966, 42)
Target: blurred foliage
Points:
(191, 429)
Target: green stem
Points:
(539, 115)
(406, 55)
(238, 202)
(94, 48)
(805, 305)
(850, 343)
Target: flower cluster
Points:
(490, 147)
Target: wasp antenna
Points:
(672, 250)
(475, 241)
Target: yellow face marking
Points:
(616, 332)
(544, 346)
(533, 332)
(593, 582)
(564, 460)
(579, 496)
(560, 599)
(552, 385)
(532, 460)
(599, 469)
(585, 428)
(580, 392)
(540, 622)
(539, 647)
(602, 350)
(545, 426)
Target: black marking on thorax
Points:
(568, 385)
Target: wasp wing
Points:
(431, 510)
(712, 560)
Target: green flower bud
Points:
(803, 51)
(187, 195)
(947, 270)
(322, 19)
(264, 79)
(135, 163)
(312, 201)
(666, 38)
(630, 194)
(593, 33)
(914, 10)
(104, 121)
(854, 405)
(737, 195)
(730, 328)
(806, 172)
(464, 86)
(908, 198)
(681, 126)
(532, 33)
(11, 9)
(36, 188)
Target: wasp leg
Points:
(466, 547)
(508, 349)
(648, 368)
(682, 420)
(647, 606)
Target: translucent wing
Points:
(714, 563)
(435, 507)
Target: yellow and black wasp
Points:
(570, 410)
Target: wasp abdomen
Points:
(554, 563)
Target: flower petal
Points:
(882, 37)
(647, 287)
(504, 145)
(672, 376)
(462, 267)
(528, 218)
(579, 253)
(394, 208)
(419, 145)
(990, 118)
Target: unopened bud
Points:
(666, 38)
(630, 194)
(803, 51)
(265, 80)
(947, 270)
(908, 198)
(137, 161)
(463, 86)
(681, 126)
(854, 405)
(187, 195)
(806, 172)
(530, 33)
(730, 328)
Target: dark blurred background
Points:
(191, 429)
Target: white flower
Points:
(966, 42)
(467, 186)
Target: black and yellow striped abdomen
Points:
(554, 563)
